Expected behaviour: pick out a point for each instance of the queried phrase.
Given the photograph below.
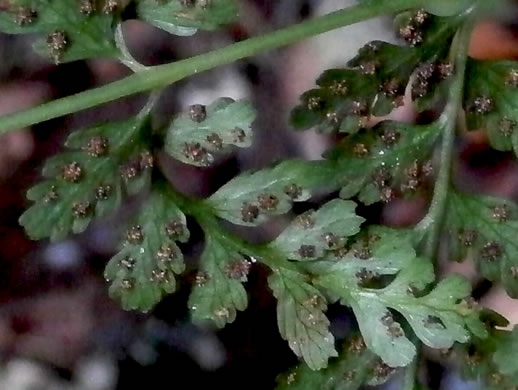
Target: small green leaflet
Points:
(301, 306)
(88, 183)
(355, 366)
(486, 228)
(72, 33)
(505, 355)
(388, 159)
(314, 233)
(253, 197)
(86, 29)
(491, 101)
(301, 318)
(436, 318)
(178, 19)
(342, 103)
(195, 136)
(219, 293)
(377, 78)
(491, 361)
(448, 7)
(376, 163)
(143, 271)
(346, 98)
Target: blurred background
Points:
(58, 328)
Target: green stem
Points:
(210, 225)
(410, 376)
(261, 252)
(126, 58)
(432, 222)
(160, 76)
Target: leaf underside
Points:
(328, 258)
(389, 160)
(194, 137)
(178, 19)
(375, 81)
(491, 361)
(355, 367)
(70, 34)
(254, 197)
(219, 292)
(107, 162)
(485, 228)
(144, 269)
(301, 318)
(491, 101)
(86, 28)
(434, 316)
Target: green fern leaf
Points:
(486, 228)
(72, 33)
(195, 136)
(301, 318)
(314, 233)
(389, 159)
(300, 308)
(490, 101)
(144, 269)
(436, 318)
(377, 78)
(491, 361)
(108, 161)
(219, 293)
(504, 357)
(253, 197)
(181, 17)
(448, 7)
(354, 368)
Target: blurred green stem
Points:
(432, 222)
(160, 76)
